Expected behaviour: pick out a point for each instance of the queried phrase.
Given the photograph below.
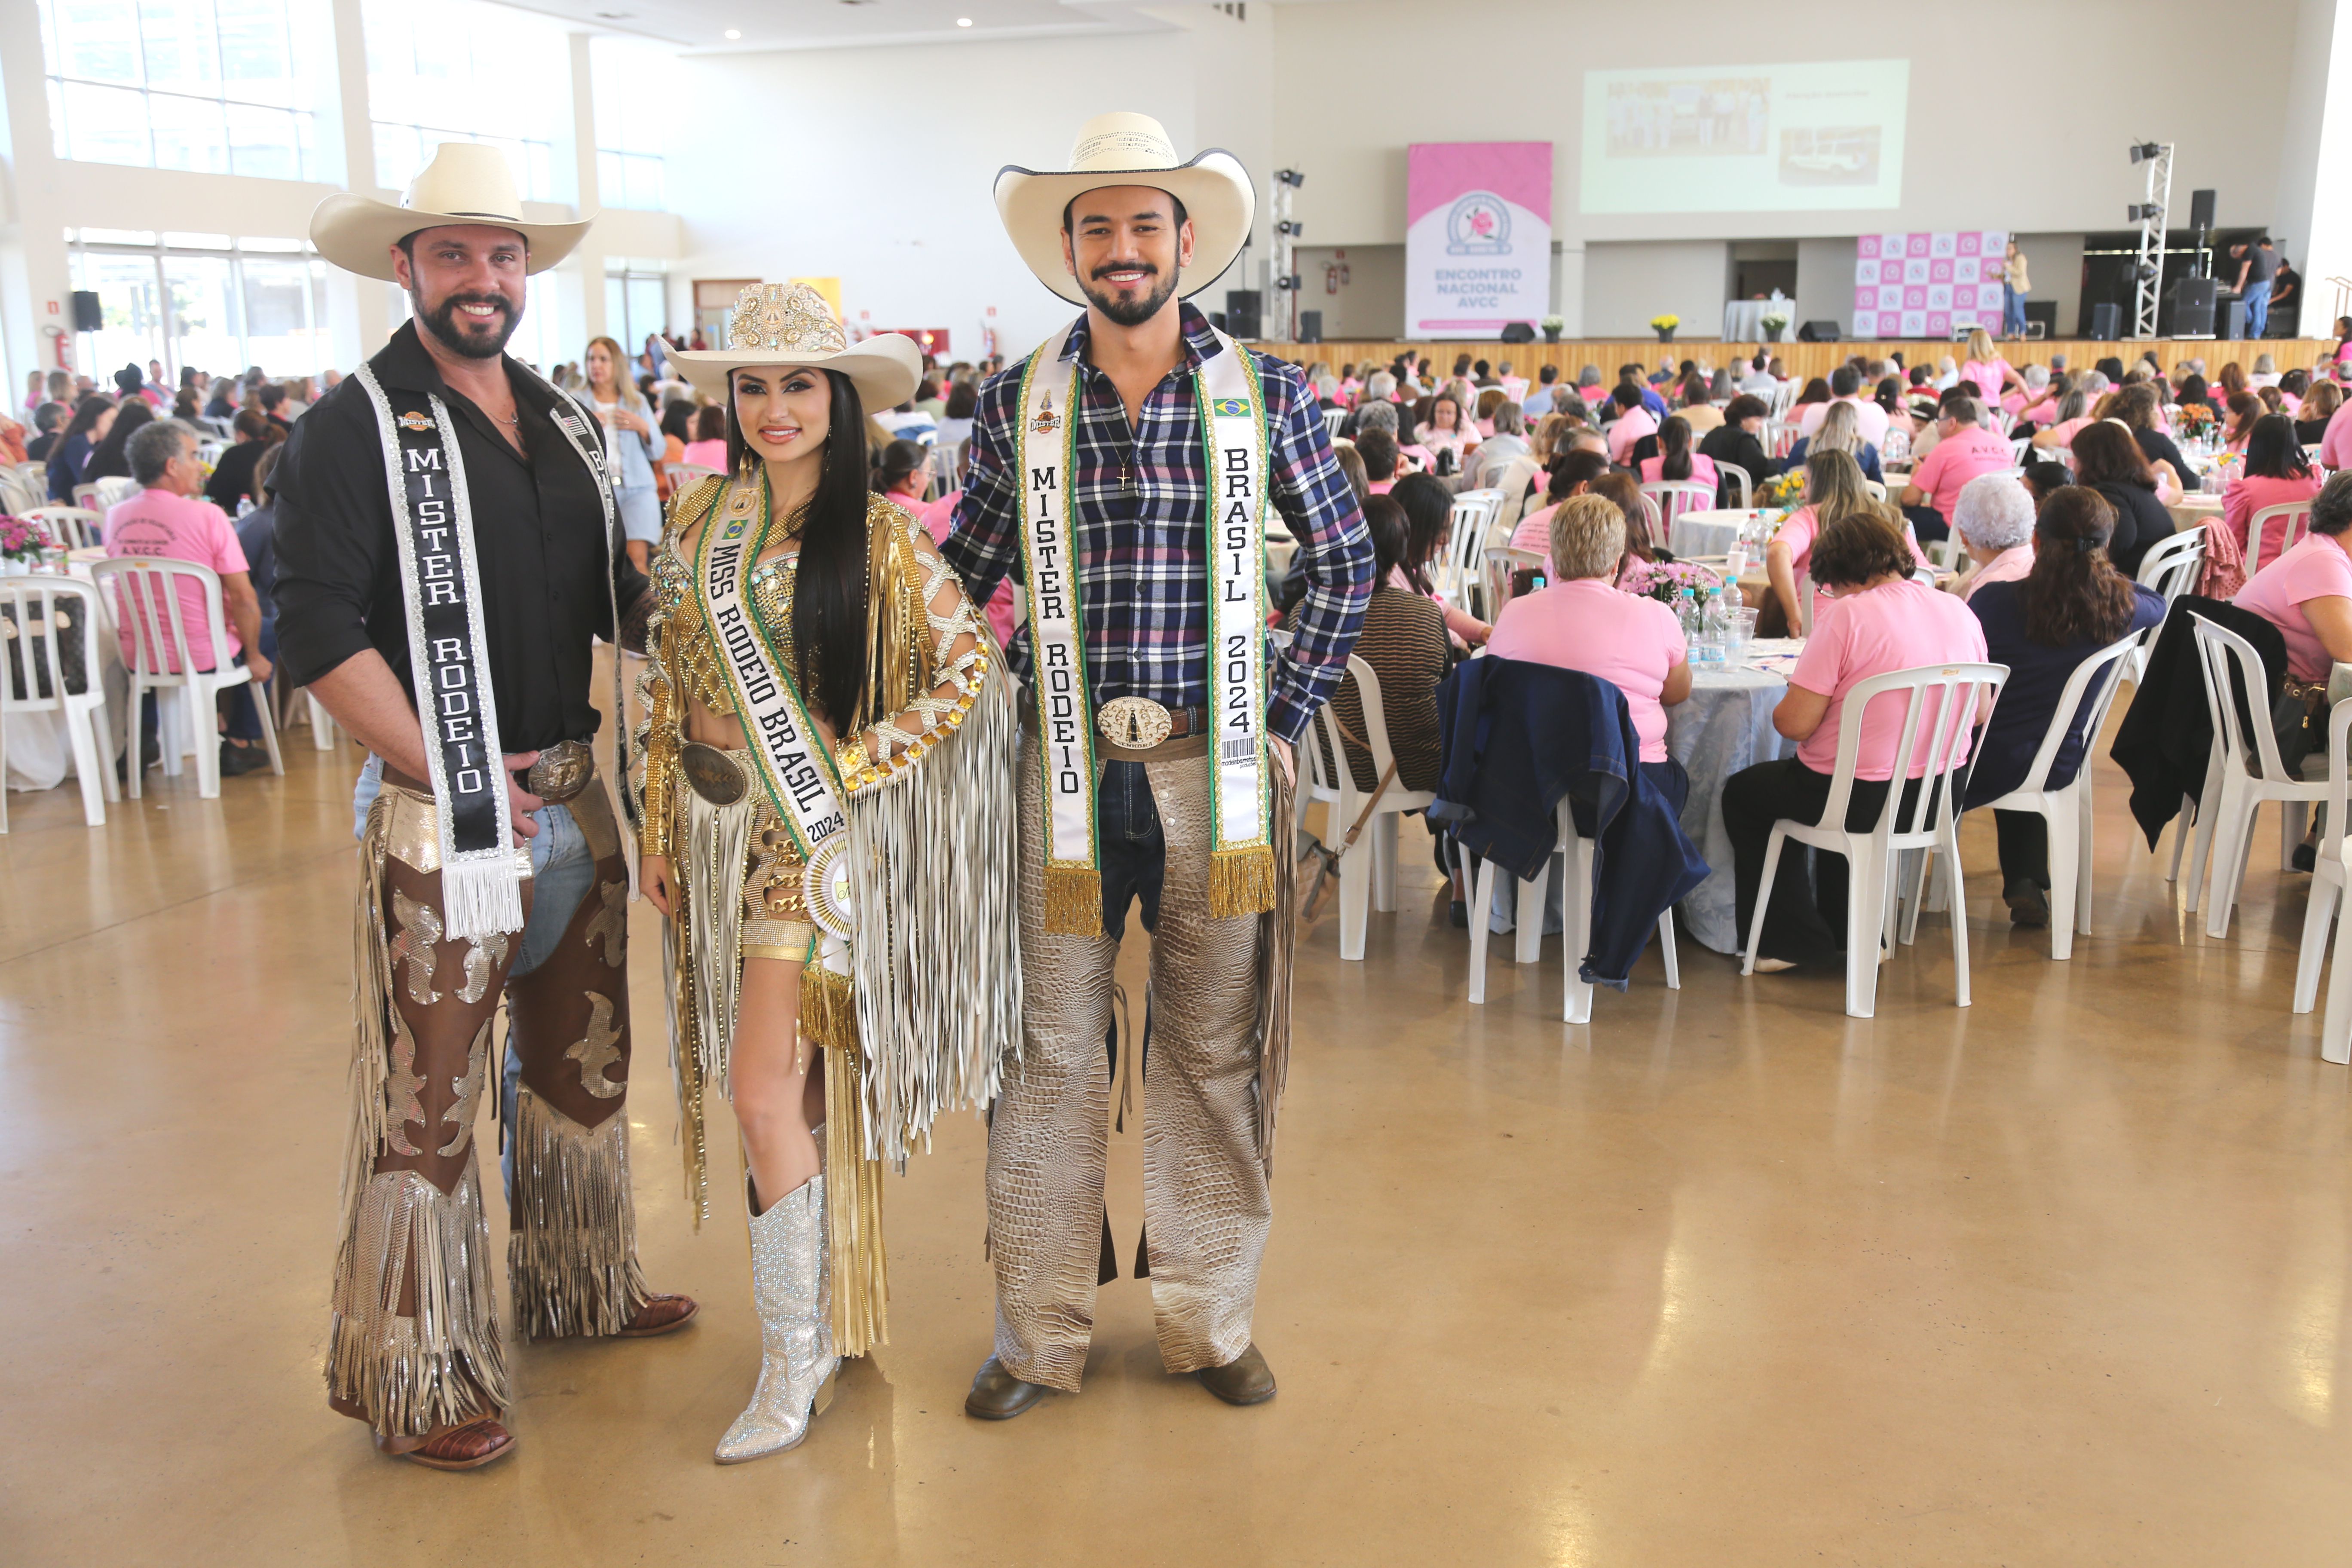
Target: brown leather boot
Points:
(998, 1395)
(1244, 1379)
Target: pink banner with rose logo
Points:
(1477, 248)
(1923, 285)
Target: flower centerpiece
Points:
(23, 541)
(1773, 325)
(1665, 580)
(1664, 326)
(2195, 417)
(1783, 490)
(1552, 327)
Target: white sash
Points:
(1232, 430)
(795, 767)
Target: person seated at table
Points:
(1839, 431)
(2138, 408)
(1832, 490)
(1994, 520)
(1964, 448)
(1634, 420)
(1404, 641)
(2069, 603)
(1845, 387)
(1676, 462)
(92, 420)
(708, 447)
(233, 479)
(1429, 528)
(1641, 545)
(1571, 474)
(2243, 409)
(2230, 381)
(257, 535)
(2276, 474)
(1377, 446)
(1814, 394)
(1874, 618)
(1581, 622)
(2109, 461)
(2073, 412)
(2319, 409)
(1737, 442)
(1504, 444)
(110, 459)
(2307, 592)
(2035, 402)
(2042, 479)
(165, 521)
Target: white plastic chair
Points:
(1783, 398)
(2172, 567)
(2298, 520)
(1332, 420)
(1743, 488)
(2246, 776)
(2021, 449)
(1474, 512)
(37, 610)
(2067, 809)
(1575, 854)
(1952, 690)
(1501, 562)
(18, 494)
(2326, 894)
(1672, 497)
(71, 526)
(1368, 867)
(147, 600)
(1874, 490)
(101, 494)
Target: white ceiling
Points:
(701, 25)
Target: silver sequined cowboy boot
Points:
(825, 1347)
(787, 1289)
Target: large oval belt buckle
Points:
(712, 773)
(560, 771)
(825, 889)
(1136, 724)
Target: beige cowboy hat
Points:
(466, 183)
(790, 324)
(1129, 149)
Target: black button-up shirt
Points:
(539, 535)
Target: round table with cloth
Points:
(2193, 508)
(1708, 533)
(1725, 725)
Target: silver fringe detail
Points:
(711, 860)
(572, 1257)
(935, 956)
(443, 1365)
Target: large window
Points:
(209, 300)
(628, 81)
(220, 87)
(457, 71)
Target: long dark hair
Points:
(85, 416)
(2106, 454)
(1385, 521)
(900, 461)
(2074, 593)
(1428, 514)
(829, 589)
(110, 462)
(1674, 449)
(253, 427)
(1573, 468)
(2274, 451)
(1816, 390)
(1625, 491)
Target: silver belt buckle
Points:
(560, 771)
(712, 773)
(1135, 723)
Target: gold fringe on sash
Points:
(828, 1008)
(1241, 881)
(572, 1257)
(853, 1203)
(1074, 900)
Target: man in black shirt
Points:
(447, 505)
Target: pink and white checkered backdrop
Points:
(1924, 285)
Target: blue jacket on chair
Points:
(1514, 739)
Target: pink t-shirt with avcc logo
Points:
(1958, 459)
(158, 525)
(2317, 568)
(1897, 625)
(1631, 642)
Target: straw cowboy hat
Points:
(1128, 150)
(466, 183)
(790, 324)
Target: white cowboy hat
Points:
(1129, 149)
(790, 324)
(466, 183)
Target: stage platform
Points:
(1807, 359)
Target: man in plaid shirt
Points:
(1139, 547)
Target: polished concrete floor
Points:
(1723, 1277)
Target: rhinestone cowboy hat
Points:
(1129, 149)
(790, 324)
(466, 183)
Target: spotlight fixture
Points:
(1290, 177)
(2143, 151)
(2142, 212)
(1290, 228)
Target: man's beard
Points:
(462, 335)
(1131, 313)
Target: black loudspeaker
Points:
(88, 316)
(1243, 310)
(1519, 333)
(2192, 307)
(2233, 319)
(1818, 332)
(1310, 326)
(2200, 209)
(2107, 320)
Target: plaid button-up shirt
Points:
(1143, 508)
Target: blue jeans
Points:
(563, 869)
(2258, 308)
(2012, 311)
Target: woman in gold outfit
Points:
(828, 826)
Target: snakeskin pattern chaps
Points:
(1205, 1202)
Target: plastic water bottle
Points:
(1718, 625)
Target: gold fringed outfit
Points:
(919, 1008)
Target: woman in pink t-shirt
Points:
(1429, 520)
(1832, 490)
(2307, 592)
(708, 447)
(1875, 620)
(1572, 474)
(1991, 373)
(2277, 474)
(1583, 621)
(1676, 460)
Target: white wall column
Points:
(359, 309)
(580, 281)
(2311, 223)
(36, 284)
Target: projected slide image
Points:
(1838, 155)
(1721, 117)
(1822, 136)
